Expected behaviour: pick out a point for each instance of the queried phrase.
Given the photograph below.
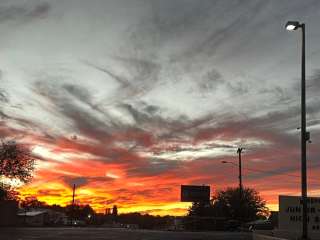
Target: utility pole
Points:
(239, 151)
(73, 210)
(73, 194)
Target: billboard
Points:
(191, 193)
(290, 214)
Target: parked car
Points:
(257, 225)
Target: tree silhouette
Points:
(227, 204)
(115, 211)
(250, 207)
(32, 202)
(79, 212)
(16, 161)
(7, 192)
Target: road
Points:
(113, 234)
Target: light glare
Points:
(291, 27)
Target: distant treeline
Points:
(87, 214)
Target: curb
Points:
(265, 237)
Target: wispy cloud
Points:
(128, 101)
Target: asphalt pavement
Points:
(113, 234)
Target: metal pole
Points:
(239, 151)
(303, 140)
(73, 218)
(73, 194)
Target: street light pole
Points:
(303, 139)
(291, 25)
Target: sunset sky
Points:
(129, 99)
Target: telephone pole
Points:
(239, 151)
(73, 194)
(72, 207)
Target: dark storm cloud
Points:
(23, 12)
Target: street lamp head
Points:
(292, 25)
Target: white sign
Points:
(290, 213)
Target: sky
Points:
(129, 99)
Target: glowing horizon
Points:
(129, 99)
